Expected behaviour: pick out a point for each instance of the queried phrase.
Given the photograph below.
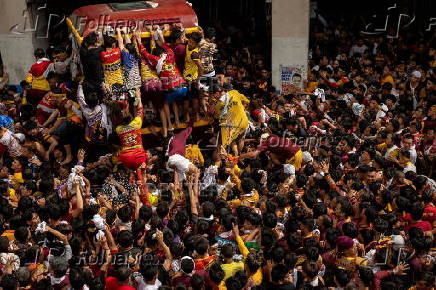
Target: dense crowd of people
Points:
(242, 188)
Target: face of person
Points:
(63, 173)
(338, 210)
(432, 113)
(430, 135)
(413, 129)
(419, 114)
(264, 73)
(287, 107)
(16, 164)
(407, 143)
(371, 176)
(229, 69)
(192, 43)
(366, 159)
(403, 161)
(342, 145)
(4, 172)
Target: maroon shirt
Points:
(179, 50)
(178, 142)
(423, 225)
(283, 147)
(186, 279)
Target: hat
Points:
(416, 74)
(344, 243)
(307, 157)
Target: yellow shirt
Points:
(193, 154)
(191, 70)
(231, 268)
(18, 177)
(13, 195)
(256, 277)
(233, 119)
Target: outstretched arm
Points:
(120, 39)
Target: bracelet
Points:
(80, 163)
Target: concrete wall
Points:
(16, 48)
(290, 37)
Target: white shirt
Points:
(409, 167)
(143, 286)
(413, 155)
(358, 49)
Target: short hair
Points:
(216, 273)
(54, 212)
(278, 272)
(125, 239)
(9, 282)
(196, 37)
(125, 213)
(253, 261)
(202, 245)
(145, 213)
(108, 41)
(310, 268)
(187, 265)
(227, 251)
(417, 210)
(342, 277)
(197, 281)
(21, 234)
(39, 53)
(175, 35)
(123, 273)
(209, 32)
(59, 265)
(349, 229)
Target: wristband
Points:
(80, 163)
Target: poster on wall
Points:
(291, 79)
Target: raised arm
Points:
(152, 58)
(126, 36)
(120, 39)
(166, 249)
(193, 199)
(57, 234)
(79, 200)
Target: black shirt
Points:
(91, 64)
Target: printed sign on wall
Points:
(291, 79)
